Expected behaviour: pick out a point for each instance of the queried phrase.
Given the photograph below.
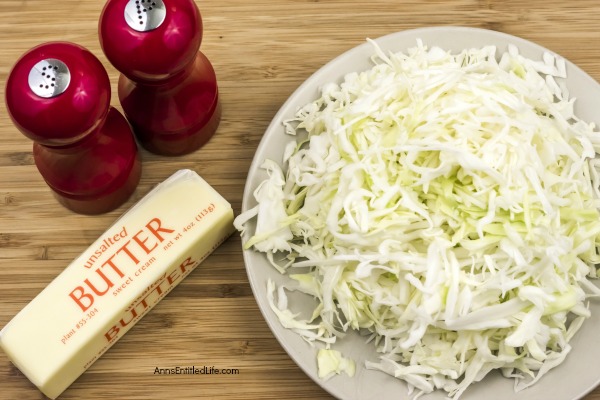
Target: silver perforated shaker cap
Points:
(145, 15)
(49, 78)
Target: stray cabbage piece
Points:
(444, 203)
(331, 363)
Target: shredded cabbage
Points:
(446, 206)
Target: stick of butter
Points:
(116, 281)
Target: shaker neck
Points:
(84, 141)
(168, 81)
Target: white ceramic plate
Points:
(572, 380)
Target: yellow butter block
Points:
(116, 281)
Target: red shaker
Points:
(58, 94)
(167, 88)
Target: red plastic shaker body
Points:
(167, 88)
(58, 95)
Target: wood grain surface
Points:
(262, 50)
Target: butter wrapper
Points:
(116, 281)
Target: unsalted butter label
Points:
(116, 281)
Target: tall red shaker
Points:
(58, 94)
(167, 88)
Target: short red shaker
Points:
(58, 95)
(167, 88)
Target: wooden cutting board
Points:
(262, 51)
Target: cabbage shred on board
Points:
(445, 205)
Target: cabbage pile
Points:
(446, 206)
